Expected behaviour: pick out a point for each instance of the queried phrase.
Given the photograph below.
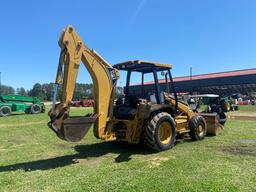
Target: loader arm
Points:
(181, 106)
(104, 77)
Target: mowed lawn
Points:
(247, 108)
(32, 158)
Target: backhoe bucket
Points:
(73, 128)
(213, 125)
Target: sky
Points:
(207, 35)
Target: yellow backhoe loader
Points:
(153, 117)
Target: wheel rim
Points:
(200, 130)
(36, 108)
(165, 133)
(5, 111)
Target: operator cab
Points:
(136, 92)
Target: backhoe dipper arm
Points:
(103, 75)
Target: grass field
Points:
(32, 158)
(247, 108)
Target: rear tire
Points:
(160, 133)
(5, 111)
(198, 127)
(35, 109)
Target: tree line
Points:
(45, 91)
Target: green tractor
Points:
(229, 104)
(17, 103)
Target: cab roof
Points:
(142, 66)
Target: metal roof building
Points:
(223, 83)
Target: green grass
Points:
(34, 159)
(247, 108)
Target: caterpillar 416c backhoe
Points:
(152, 117)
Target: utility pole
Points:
(191, 86)
(190, 73)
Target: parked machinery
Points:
(83, 103)
(154, 118)
(210, 103)
(17, 103)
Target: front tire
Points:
(198, 127)
(5, 111)
(160, 133)
(35, 109)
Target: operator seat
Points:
(126, 110)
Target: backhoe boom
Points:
(73, 52)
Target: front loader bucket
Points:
(213, 125)
(73, 128)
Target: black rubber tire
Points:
(35, 109)
(5, 111)
(194, 124)
(151, 134)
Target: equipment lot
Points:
(34, 159)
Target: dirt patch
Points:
(156, 161)
(21, 124)
(48, 103)
(241, 150)
(242, 117)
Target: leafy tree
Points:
(21, 91)
(45, 91)
(36, 91)
(7, 90)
